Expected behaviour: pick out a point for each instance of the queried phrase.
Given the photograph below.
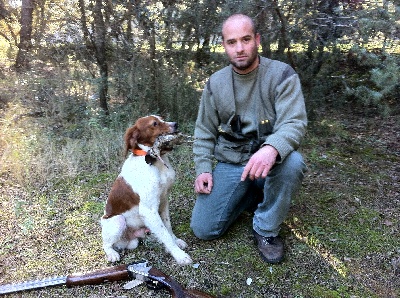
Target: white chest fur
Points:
(146, 178)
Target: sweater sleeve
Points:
(205, 133)
(291, 117)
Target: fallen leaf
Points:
(388, 223)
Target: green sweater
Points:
(270, 95)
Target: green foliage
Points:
(160, 54)
(174, 92)
(375, 82)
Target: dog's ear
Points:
(130, 138)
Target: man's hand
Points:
(260, 163)
(203, 183)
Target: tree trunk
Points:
(263, 18)
(154, 70)
(100, 49)
(25, 44)
(284, 42)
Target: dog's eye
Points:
(155, 123)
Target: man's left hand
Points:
(260, 163)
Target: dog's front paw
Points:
(183, 258)
(181, 244)
(113, 256)
(133, 244)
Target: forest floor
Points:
(341, 236)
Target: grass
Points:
(341, 235)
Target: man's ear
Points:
(258, 39)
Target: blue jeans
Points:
(213, 213)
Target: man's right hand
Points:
(203, 183)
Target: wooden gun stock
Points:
(174, 287)
(115, 273)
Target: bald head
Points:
(237, 20)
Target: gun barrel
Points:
(33, 284)
(115, 273)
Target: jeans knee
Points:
(204, 231)
(294, 165)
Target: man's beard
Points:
(246, 64)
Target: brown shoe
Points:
(271, 248)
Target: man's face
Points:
(241, 44)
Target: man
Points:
(251, 120)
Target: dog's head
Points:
(146, 130)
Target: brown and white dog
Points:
(138, 201)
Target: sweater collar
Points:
(245, 77)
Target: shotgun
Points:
(137, 271)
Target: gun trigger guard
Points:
(154, 285)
